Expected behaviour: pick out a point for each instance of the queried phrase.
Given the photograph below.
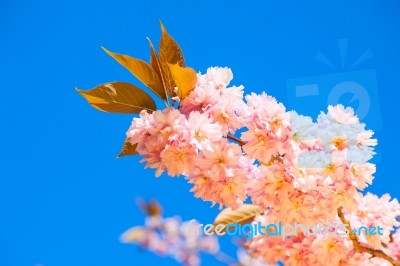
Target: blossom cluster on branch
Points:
(235, 148)
(333, 249)
(299, 170)
(176, 238)
(169, 236)
(284, 161)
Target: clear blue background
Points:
(64, 197)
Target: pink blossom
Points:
(203, 131)
(374, 211)
(219, 76)
(296, 169)
(170, 236)
(343, 115)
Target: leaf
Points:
(185, 79)
(170, 53)
(168, 79)
(150, 208)
(142, 71)
(169, 49)
(119, 97)
(243, 215)
(156, 65)
(134, 235)
(128, 149)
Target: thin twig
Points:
(241, 142)
(361, 248)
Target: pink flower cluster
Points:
(233, 147)
(192, 141)
(371, 211)
(171, 236)
(331, 250)
(299, 169)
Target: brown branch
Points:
(241, 142)
(361, 248)
(390, 241)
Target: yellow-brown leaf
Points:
(150, 208)
(169, 49)
(170, 53)
(156, 65)
(243, 215)
(168, 79)
(142, 71)
(119, 97)
(128, 149)
(134, 234)
(185, 79)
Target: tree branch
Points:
(241, 142)
(361, 248)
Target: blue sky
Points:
(65, 198)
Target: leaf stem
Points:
(361, 248)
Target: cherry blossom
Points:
(233, 147)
